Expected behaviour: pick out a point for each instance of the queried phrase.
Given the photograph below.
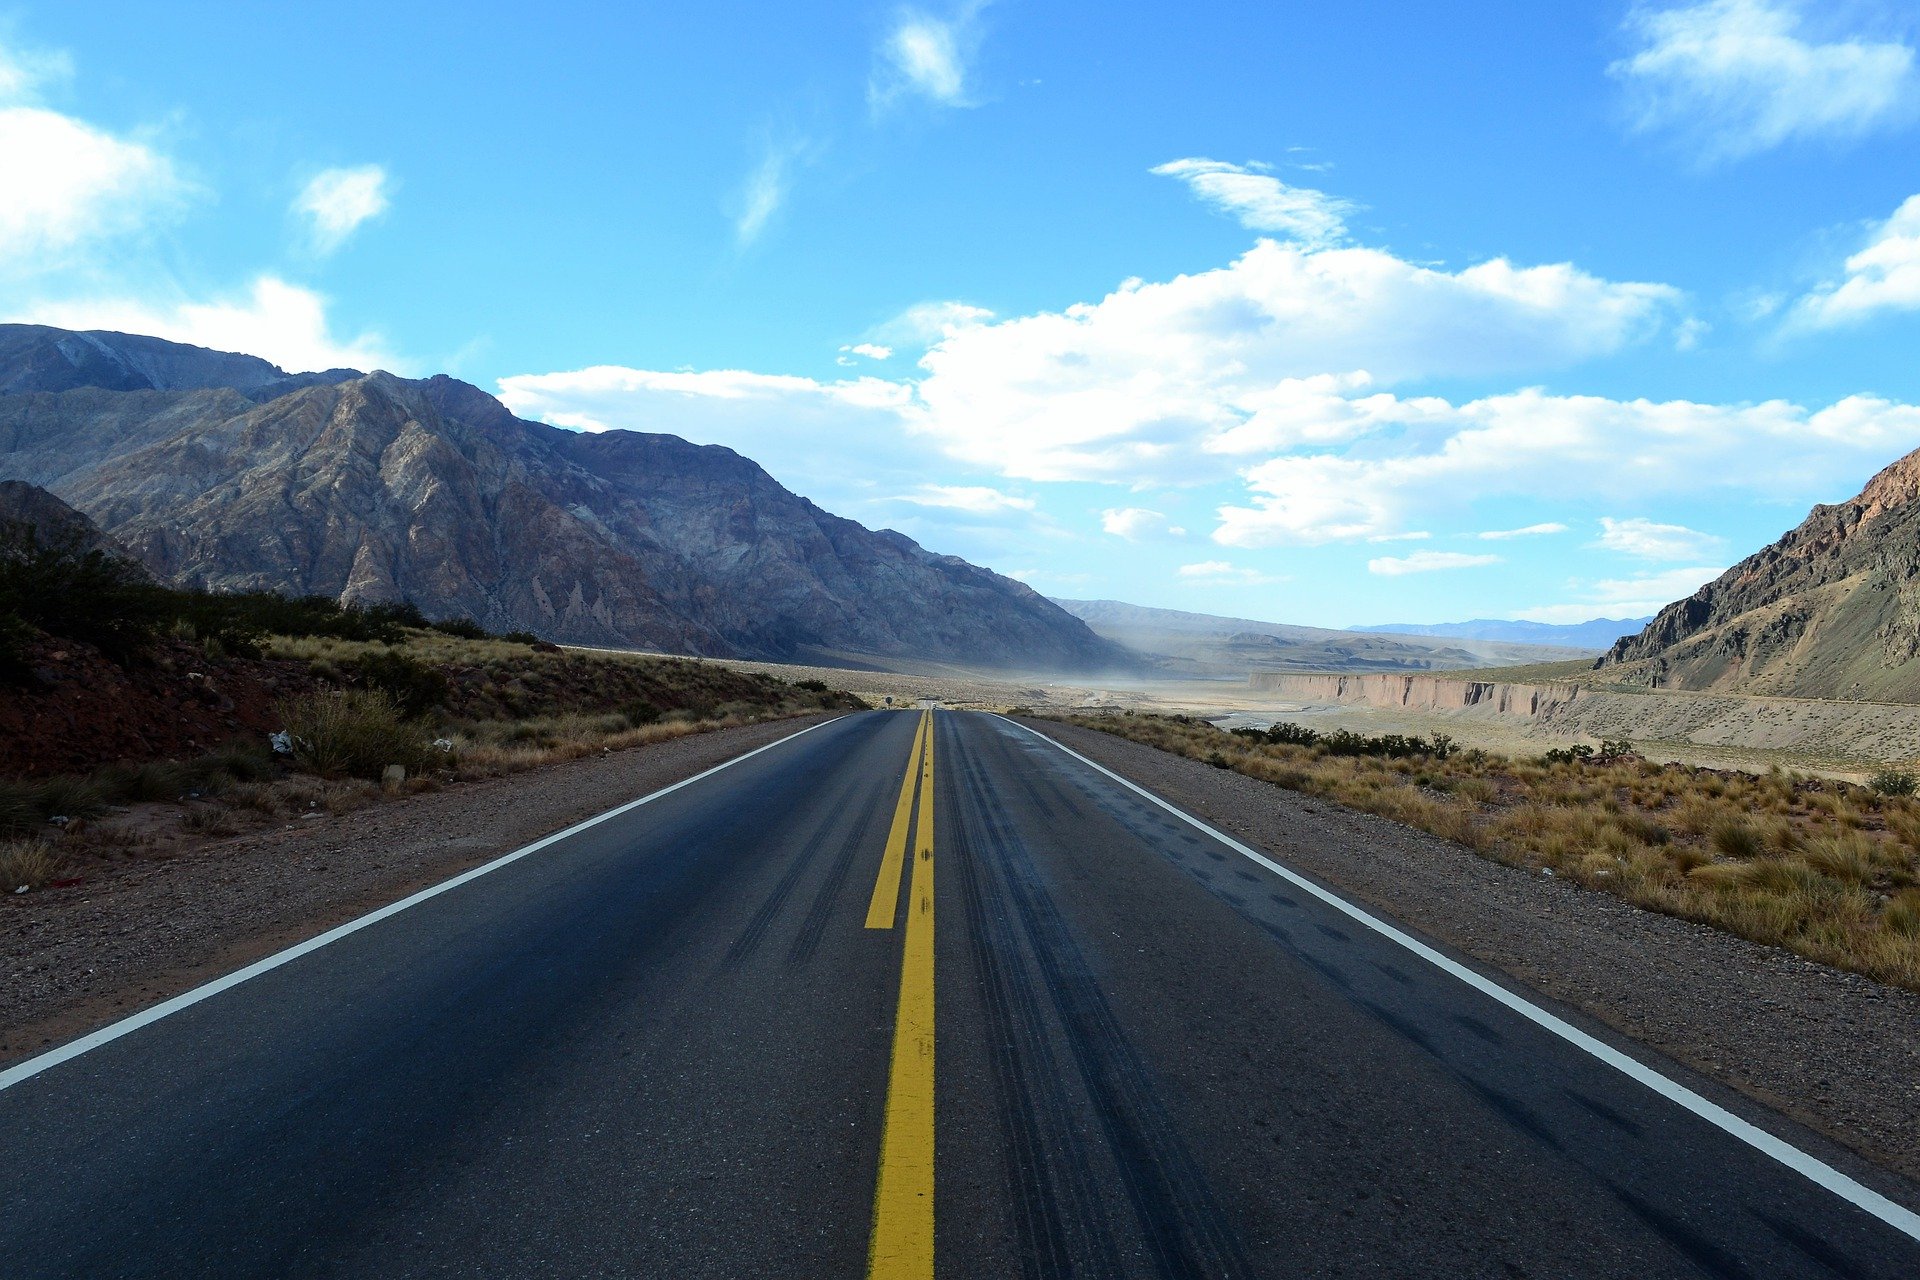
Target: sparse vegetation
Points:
(1821, 867)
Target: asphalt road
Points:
(785, 1022)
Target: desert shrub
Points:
(1616, 747)
(1894, 782)
(521, 637)
(1578, 753)
(27, 863)
(811, 686)
(18, 813)
(415, 687)
(354, 734)
(1289, 734)
(462, 628)
(56, 585)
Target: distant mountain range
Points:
(1831, 610)
(223, 471)
(1200, 644)
(1598, 634)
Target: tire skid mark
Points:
(750, 937)
(1034, 1101)
(1181, 1222)
(813, 925)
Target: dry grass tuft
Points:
(29, 864)
(1822, 868)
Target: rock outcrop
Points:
(1831, 610)
(1424, 693)
(223, 472)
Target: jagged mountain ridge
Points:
(374, 487)
(1203, 644)
(1831, 610)
(1592, 635)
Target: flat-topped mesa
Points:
(1421, 692)
(1831, 610)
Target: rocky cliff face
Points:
(372, 487)
(1831, 610)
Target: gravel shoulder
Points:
(1837, 1052)
(75, 959)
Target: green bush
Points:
(58, 586)
(353, 734)
(1894, 782)
(462, 628)
(415, 687)
(1578, 753)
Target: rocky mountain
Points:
(1596, 634)
(224, 472)
(1201, 644)
(1831, 610)
(49, 521)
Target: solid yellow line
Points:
(902, 1247)
(886, 889)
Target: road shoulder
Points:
(1835, 1051)
(80, 958)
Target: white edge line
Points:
(1898, 1217)
(146, 1017)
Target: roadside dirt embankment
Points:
(1868, 731)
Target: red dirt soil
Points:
(73, 710)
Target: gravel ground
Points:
(74, 959)
(1837, 1052)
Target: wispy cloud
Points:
(1883, 276)
(1650, 540)
(763, 193)
(1530, 531)
(1625, 597)
(1223, 572)
(70, 184)
(1261, 202)
(924, 55)
(977, 500)
(1735, 77)
(1427, 562)
(275, 320)
(1135, 523)
(338, 202)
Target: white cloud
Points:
(1414, 535)
(1883, 276)
(1145, 382)
(926, 323)
(871, 350)
(1222, 572)
(1652, 541)
(1261, 202)
(925, 56)
(1427, 562)
(977, 500)
(762, 194)
(1734, 77)
(338, 202)
(1135, 523)
(69, 183)
(1530, 531)
(275, 320)
(1532, 445)
(1626, 597)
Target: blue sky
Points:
(1315, 312)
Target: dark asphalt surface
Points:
(661, 1047)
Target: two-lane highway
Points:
(905, 994)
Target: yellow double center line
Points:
(902, 1244)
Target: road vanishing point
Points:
(903, 994)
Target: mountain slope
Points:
(1205, 645)
(1831, 610)
(372, 487)
(1599, 633)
